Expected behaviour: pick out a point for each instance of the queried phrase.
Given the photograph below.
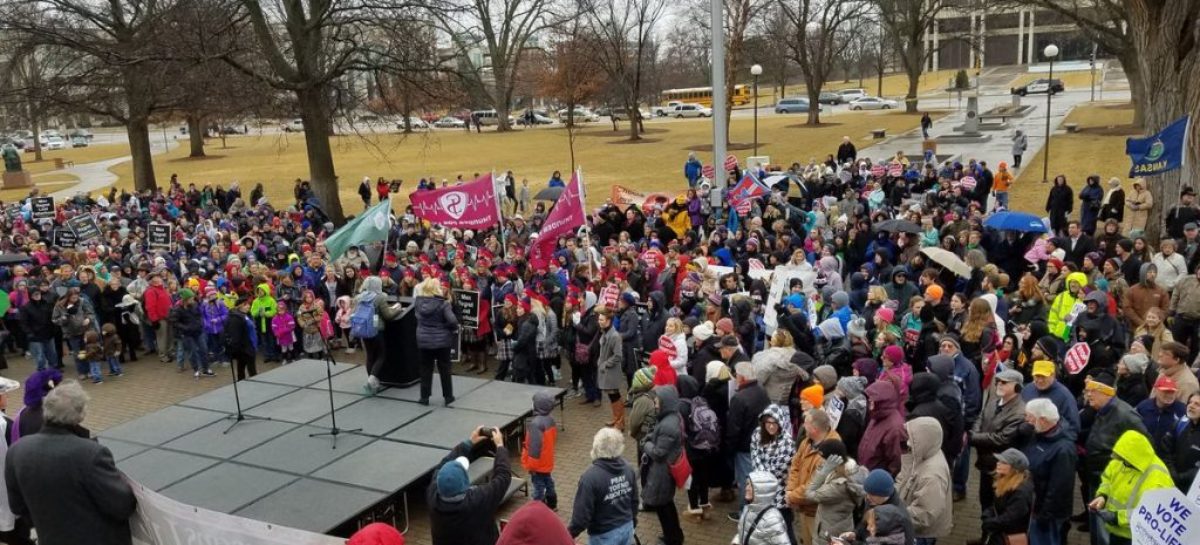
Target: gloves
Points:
(575, 318)
(831, 463)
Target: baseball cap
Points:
(1166, 384)
(1043, 368)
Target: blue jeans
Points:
(741, 471)
(43, 353)
(924, 541)
(962, 471)
(1002, 199)
(214, 348)
(189, 349)
(74, 345)
(543, 489)
(1046, 532)
(93, 370)
(149, 340)
(114, 366)
(621, 535)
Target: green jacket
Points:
(263, 308)
(1134, 469)
(1060, 309)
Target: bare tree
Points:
(572, 75)
(816, 39)
(503, 29)
(907, 22)
(740, 18)
(624, 31)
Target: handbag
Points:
(681, 468)
(1016, 539)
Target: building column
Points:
(1021, 37)
(936, 55)
(982, 40)
(1032, 43)
(971, 46)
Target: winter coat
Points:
(883, 441)
(157, 303)
(541, 435)
(1009, 514)
(71, 320)
(893, 515)
(762, 523)
(263, 308)
(642, 414)
(774, 457)
(1000, 427)
(800, 472)
(1068, 408)
(1133, 470)
(924, 480)
(1052, 460)
(609, 374)
(36, 320)
(283, 327)
(662, 447)
(468, 519)
(1109, 424)
(607, 497)
(1061, 308)
(744, 409)
(534, 524)
(525, 345)
(1089, 206)
(923, 401)
(436, 324)
(1139, 204)
(1019, 143)
(627, 325)
(1181, 452)
(239, 335)
(1160, 420)
(774, 370)
(837, 494)
(213, 315)
(1139, 299)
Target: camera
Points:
(486, 432)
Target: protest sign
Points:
(64, 237)
(1164, 516)
(85, 228)
(1077, 358)
(1194, 492)
(471, 205)
(731, 162)
(783, 274)
(42, 208)
(834, 409)
(158, 235)
(466, 303)
(609, 296)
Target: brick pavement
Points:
(149, 385)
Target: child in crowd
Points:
(90, 357)
(537, 454)
(344, 310)
(112, 349)
(283, 325)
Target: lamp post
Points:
(756, 71)
(1049, 53)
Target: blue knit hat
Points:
(878, 483)
(452, 480)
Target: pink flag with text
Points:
(567, 215)
(471, 205)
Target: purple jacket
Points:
(212, 315)
(694, 208)
(883, 441)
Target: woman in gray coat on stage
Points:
(437, 332)
(662, 447)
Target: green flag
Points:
(371, 226)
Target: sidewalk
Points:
(96, 176)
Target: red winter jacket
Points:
(157, 303)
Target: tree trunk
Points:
(814, 102)
(1137, 89)
(37, 135)
(314, 110)
(910, 100)
(634, 121)
(138, 131)
(502, 96)
(195, 127)
(1169, 64)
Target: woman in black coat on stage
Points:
(1059, 205)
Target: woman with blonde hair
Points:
(979, 336)
(437, 328)
(674, 334)
(1155, 326)
(1009, 514)
(1028, 303)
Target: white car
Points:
(53, 143)
(295, 125)
(449, 123)
(690, 110)
(663, 111)
(873, 103)
(849, 95)
(49, 133)
(416, 123)
(582, 115)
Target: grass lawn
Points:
(894, 85)
(89, 154)
(1072, 81)
(1098, 148)
(49, 182)
(654, 164)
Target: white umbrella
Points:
(949, 260)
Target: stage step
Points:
(481, 469)
(516, 484)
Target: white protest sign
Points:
(783, 274)
(1165, 517)
(720, 270)
(1194, 492)
(834, 408)
(160, 520)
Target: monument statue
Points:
(12, 159)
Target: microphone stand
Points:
(237, 399)
(334, 431)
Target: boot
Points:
(618, 422)
(482, 366)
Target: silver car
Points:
(873, 103)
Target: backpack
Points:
(706, 429)
(362, 321)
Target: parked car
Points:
(79, 141)
(1038, 86)
(449, 122)
(580, 115)
(53, 143)
(22, 134)
(873, 103)
(664, 111)
(81, 132)
(792, 105)
(295, 125)
(830, 98)
(849, 95)
(51, 132)
(232, 129)
(534, 117)
(690, 110)
(414, 121)
(619, 114)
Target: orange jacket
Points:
(1001, 180)
(545, 462)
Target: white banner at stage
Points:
(159, 520)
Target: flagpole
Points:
(500, 216)
(388, 236)
(583, 208)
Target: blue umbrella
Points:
(1022, 222)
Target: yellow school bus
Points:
(703, 95)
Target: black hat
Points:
(1187, 190)
(729, 341)
(830, 447)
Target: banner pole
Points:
(500, 214)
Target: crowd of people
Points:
(846, 405)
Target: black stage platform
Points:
(272, 471)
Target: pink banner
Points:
(468, 206)
(567, 215)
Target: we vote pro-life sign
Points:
(1165, 517)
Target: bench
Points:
(1002, 117)
(878, 134)
(60, 163)
(1071, 127)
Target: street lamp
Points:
(756, 71)
(1049, 53)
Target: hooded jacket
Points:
(1133, 470)
(923, 400)
(762, 522)
(437, 326)
(540, 436)
(1142, 297)
(1064, 302)
(774, 457)
(468, 519)
(854, 416)
(744, 409)
(883, 441)
(1111, 422)
(263, 308)
(535, 524)
(1052, 462)
(661, 448)
(924, 481)
(655, 323)
(774, 370)
(800, 473)
(836, 493)
(607, 497)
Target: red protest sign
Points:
(731, 162)
(708, 171)
(1077, 358)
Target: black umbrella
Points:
(548, 194)
(12, 259)
(898, 226)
